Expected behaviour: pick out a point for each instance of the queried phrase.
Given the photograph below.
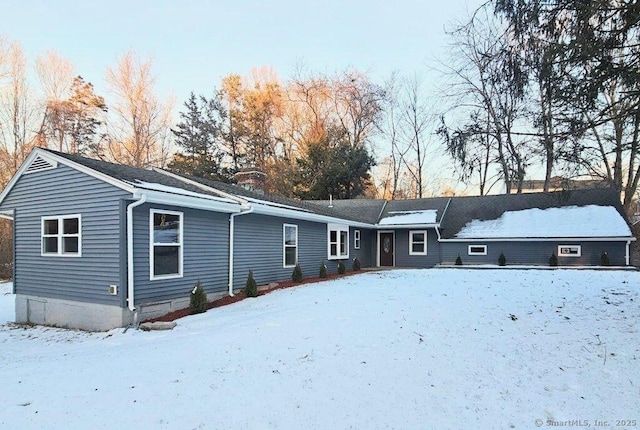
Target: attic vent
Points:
(39, 164)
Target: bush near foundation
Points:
(251, 288)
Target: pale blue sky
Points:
(193, 44)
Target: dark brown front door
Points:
(386, 249)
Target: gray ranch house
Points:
(99, 245)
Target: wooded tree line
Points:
(552, 83)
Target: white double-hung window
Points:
(166, 234)
(290, 245)
(418, 242)
(337, 241)
(62, 236)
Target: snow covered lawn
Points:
(414, 349)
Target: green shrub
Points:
(198, 299)
(458, 260)
(502, 260)
(356, 264)
(553, 260)
(604, 259)
(251, 288)
(323, 270)
(296, 276)
(341, 269)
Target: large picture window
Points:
(166, 244)
(290, 244)
(338, 241)
(62, 236)
(418, 242)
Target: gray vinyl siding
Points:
(367, 240)
(401, 250)
(205, 255)
(66, 191)
(258, 247)
(535, 253)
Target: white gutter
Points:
(232, 218)
(130, 275)
(542, 239)
(399, 226)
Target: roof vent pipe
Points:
(330, 200)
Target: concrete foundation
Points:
(70, 314)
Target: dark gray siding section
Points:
(403, 259)
(66, 191)
(205, 255)
(258, 247)
(367, 240)
(535, 253)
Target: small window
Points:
(356, 239)
(418, 242)
(61, 236)
(290, 245)
(569, 250)
(338, 243)
(477, 250)
(166, 244)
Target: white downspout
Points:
(232, 218)
(130, 278)
(627, 256)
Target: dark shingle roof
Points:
(365, 210)
(462, 210)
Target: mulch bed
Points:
(227, 300)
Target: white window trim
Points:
(338, 228)
(152, 244)
(61, 235)
(285, 246)
(577, 247)
(356, 239)
(470, 252)
(411, 242)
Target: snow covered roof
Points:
(565, 222)
(427, 216)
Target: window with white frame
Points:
(569, 250)
(477, 250)
(62, 236)
(166, 251)
(338, 241)
(290, 245)
(418, 242)
(356, 239)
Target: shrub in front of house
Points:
(198, 299)
(553, 260)
(502, 260)
(296, 276)
(341, 268)
(323, 270)
(356, 264)
(251, 288)
(458, 260)
(604, 259)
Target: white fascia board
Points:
(400, 226)
(305, 216)
(19, 173)
(542, 239)
(6, 214)
(168, 199)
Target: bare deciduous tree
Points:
(139, 124)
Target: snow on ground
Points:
(569, 221)
(404, 349)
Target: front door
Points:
(386, 249)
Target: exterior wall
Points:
(402, 257)
(258, 247)
(364, 254)
(535, 253)
(66, 191)
(205, 258)
(70, 314)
